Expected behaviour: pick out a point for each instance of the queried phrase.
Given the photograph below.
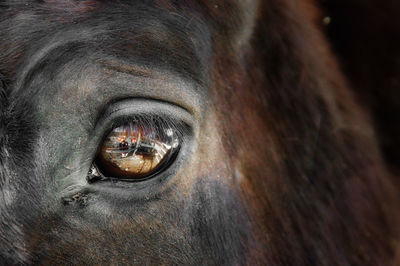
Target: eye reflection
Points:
(136, 150)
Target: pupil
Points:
(124, 145)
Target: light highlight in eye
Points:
(137, 150)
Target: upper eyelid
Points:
(147, 119)
(138, 107)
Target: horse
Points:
(185, 132)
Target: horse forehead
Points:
(227, 14)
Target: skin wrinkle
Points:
(128, 69)
(282, 167)
(54, 43)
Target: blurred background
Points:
(365, 35)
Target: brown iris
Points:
(136, 151)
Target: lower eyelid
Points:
(131, 191)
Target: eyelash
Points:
(149, 119)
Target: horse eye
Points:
(136, 151)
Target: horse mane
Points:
(327, 195)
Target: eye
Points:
(136, 150)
